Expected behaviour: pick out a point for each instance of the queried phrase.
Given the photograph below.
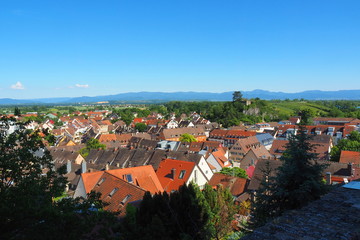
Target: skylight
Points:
(113, 192)
(126, 198)
(101, 181)
(182, 174)
(129, 178)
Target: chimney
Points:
(107, 167)
(83, 167)
(68, 166)
(173, 172)
(328, 178)
(350, 169)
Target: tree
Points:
(352, 143)
(306, 116)
(141, 127)
(186, 137)
(17, 112)
(235, 171)
(28, 209)
(222, 208)
(183, 214)
(298, 180)
(91, 144)
(237, 96)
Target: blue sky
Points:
(88, 48)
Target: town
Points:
(122, 160)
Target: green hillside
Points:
(289, 108)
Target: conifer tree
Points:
(297, 182)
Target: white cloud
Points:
(18, 86)
(82, 86)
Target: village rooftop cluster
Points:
(155, 160)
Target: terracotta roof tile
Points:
(350, 157)
(168, 167)
(117, 192)
(143, 176)
(236, 185)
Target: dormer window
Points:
(129, 178)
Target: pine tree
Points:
(298, 181)
(17, 112)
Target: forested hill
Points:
(195, 96)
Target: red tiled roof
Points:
(350, 157)
(326, 119)
(117, 192)
(170, 182)
(106, 122)
(241, 133)
(219, 156)
(90, 179)
(234, 184)
(107, 137)
(138, 120)
(143, 176)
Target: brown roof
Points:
(261, 152)
(260, 167)
(177, 132)
(326, 119)
(117, 193)
(107, 137)
(321, 148)
(350, 157)
(236, 185)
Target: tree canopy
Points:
(91, 144)
(352, 143)
(235, 171)
(185, 214)
(186, 137)
(298, 181)
(29, 185)
(141, 127)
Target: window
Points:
(113, 192)
(129, 178)
(101, 181)
(126, 198)
(182, 174)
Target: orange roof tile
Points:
(143, 176)
(90, 179)
(117, 192)
(236, 185)
(350, 157)
(106, 122)
(107, 137)
(165, 173)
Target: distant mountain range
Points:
(191, 96)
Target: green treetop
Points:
(186, 137)
(235, 171)
(298, 180)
